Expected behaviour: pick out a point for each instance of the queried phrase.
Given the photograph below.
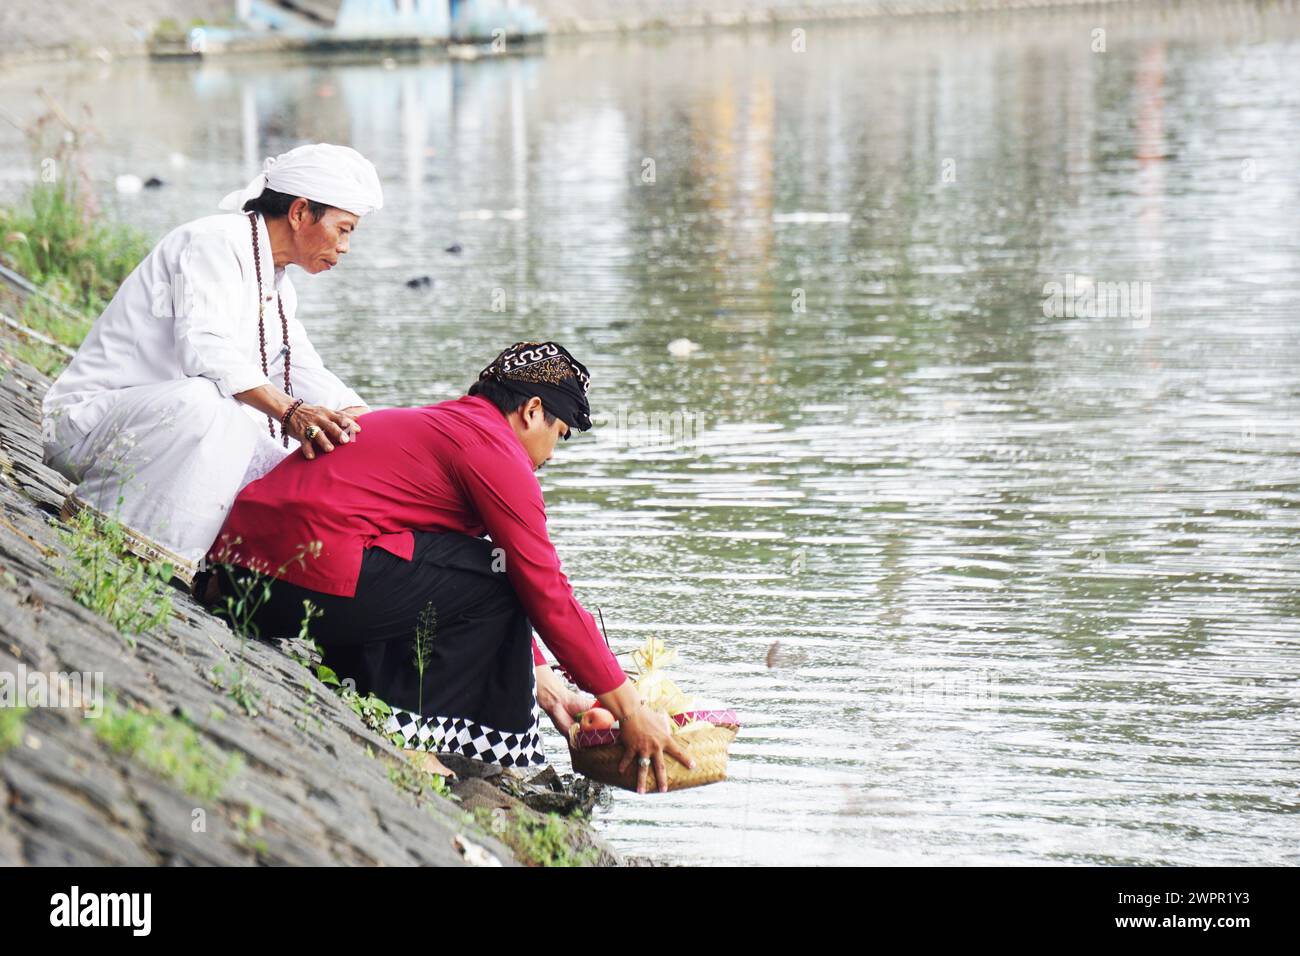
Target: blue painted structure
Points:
(387, 19)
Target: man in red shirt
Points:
(384, 537)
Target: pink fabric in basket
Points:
(597, 738)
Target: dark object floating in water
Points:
(454, 248)
(153, 182)
(419, 282)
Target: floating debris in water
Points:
(128, 183)
(419, 282)
(778, 657)
(682, 348)
(803, 217)
(490, 214)
(454, 248)
(153, 182)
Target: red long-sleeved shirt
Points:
(457, 466)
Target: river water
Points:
(978, 499)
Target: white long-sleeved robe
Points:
(144, 420)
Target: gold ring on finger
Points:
(311, 432)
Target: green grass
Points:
(72, 255)
(411, 779)
(79, 259)
(374, 713)
(240, 611)
(170, 31)
(253, 589)
(426, 626)
(169, 746)
(131, 594)
(48, 361)
(438, 786)
(309, 715)
(544, 841)
(11, 727)
(248, 830)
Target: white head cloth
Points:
(333, 175)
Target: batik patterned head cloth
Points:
(548, 371)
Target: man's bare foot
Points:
(428, 762)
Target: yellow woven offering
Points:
(658, 692)
(705, 735)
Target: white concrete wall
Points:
(578, 16)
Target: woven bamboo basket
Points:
(598, 753)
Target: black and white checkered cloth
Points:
(460, 735)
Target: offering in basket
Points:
(705, 733)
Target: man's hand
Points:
(352, 429)
(332, 428)
(560, 703)
(354, 412)
(329, 428)
(646, 737)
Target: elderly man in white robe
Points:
(198, 375)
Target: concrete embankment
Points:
(78, 29)
(177, 771)
(603, 16)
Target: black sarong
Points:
(478, 695)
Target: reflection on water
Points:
(1030, 572)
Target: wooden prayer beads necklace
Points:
(261, 332)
